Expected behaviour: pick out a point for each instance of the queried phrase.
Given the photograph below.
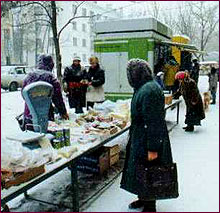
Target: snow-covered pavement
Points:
(196, 154)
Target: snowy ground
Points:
(196, 154)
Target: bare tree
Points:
(206, 19)
(48, 15)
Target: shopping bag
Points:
(158, 181)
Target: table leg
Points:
(75, 187)
(178, 112)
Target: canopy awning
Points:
(181, 46)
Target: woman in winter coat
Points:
(213, 84)
(75, 84)
(194, 105)
(96, 78)
(43, 72)
(148, 136)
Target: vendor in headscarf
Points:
(75, 84)
(96, 78)
(194, 105)
(148, 135)
(43, 72)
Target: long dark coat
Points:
(194, 74)
(194, 105)
(77, 96)
(148, 132)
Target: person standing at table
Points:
(96, 78)
(75, 85)
(194, 105)
(148, 135)
(44, 73)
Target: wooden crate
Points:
(114, 152)
(23, 177)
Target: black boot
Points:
(213, 102)
(79, 110)
(150, 206)
(136, 204)
(189, 129)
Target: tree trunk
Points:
(56, 40)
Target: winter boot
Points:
(136, 204)
(189, 129)
(79, 110)
(213, 102)
(149, 206)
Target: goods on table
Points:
(67, 152)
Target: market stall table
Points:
(51, 169)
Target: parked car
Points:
(12, 77)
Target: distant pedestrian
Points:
(194, 74)
(75, 84)
(213, 84)
(194, 105)
(96, 78)
(159, 79)
(148, 136)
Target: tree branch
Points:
(38, 3)
(20, 25)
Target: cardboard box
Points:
(114, 152)
(22, 177)
(94, 163)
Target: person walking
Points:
(213, 84)
(194, 74)
(75, 85)
(194, 105)
(43, 72)
(148, 135)
(96, 78)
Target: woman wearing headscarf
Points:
(43, 72)
(213, 84)
(194, 105)
(148, 135)
(96, 78)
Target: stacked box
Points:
(114, 152)
(94, 163)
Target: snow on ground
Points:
(196, 154)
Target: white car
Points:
(12, 77)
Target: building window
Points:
(84, 11)
(74, 25)
(74, 41)
(84, 58)
(84, 27)
(84, 42)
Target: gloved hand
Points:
(65, 116)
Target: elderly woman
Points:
(43, 72)
(194, 105)
(148, 136)
(96, 78)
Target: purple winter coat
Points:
(57, 99)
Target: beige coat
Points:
(95, 94)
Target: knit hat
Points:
(76, 58)
(45, 62)
(138, 72)
(180, 75)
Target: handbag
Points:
(158, 181)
